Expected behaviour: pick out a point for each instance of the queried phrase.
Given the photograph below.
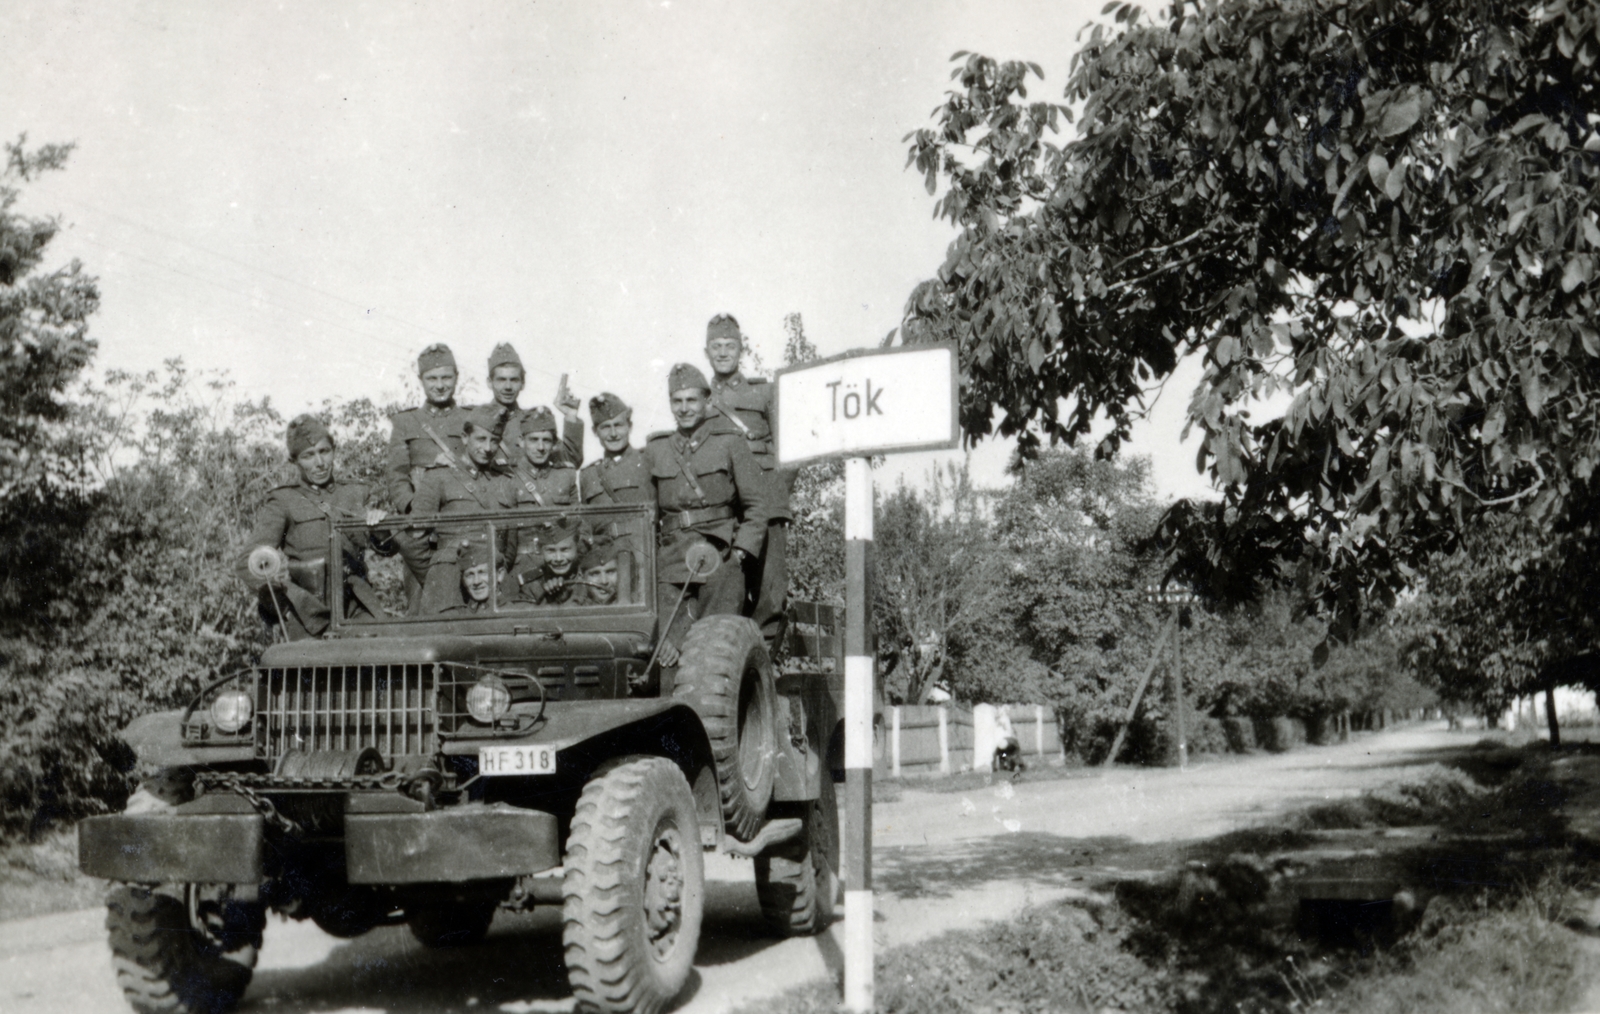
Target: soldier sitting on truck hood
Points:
(710, 491)
(296, 522)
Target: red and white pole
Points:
(858, 686)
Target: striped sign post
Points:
(863, 403)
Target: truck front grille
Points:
(311, 708)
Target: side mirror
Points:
(702, 561)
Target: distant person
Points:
(1007, 748)
(543, 478)
(506, 381)
(744, 407)
(297, 522)
(620, 476)
(710, 491)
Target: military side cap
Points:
(504, 355)
(484, 417)
(538, 419)
(304, 432)
(605, 407)
(723, 325)
(599, 554)
(474, 553)
(435, 356)
(686, 375)
(564, 527)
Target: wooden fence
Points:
(930, 740)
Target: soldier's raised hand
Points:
(567, 402)
(375, 515)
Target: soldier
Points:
(745, 407)
(711, 491)
(542, 478)
(620, 476)
(423, 437)
(296, 521)
(472, 556)
(551, 580)
(463, 485)
(598, 569)
(506, 380)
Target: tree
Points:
(1385, 211)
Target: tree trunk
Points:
(1550, 716)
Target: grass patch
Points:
(41, 877)
(1216, 936)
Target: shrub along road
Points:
(944, 860)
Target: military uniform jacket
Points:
(551, 485)
(411, 449)
(447, 490)
(698, 473)
(297, 518)
(744, 408)
(617, 479)
(508, 435)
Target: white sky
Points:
(307, 193)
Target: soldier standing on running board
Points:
(710, 491)
(745, 407)
(620, 476)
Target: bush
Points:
(1240, 733)
(1206, 735)
(1279, 734)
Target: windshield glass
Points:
(507, 562)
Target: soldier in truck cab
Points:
(620, 476)
(710, 491)
(295, 523)
(551, 580)
(744, 408)
(472, 557)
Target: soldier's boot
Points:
(773, 587)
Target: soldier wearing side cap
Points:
(551, 580)
(506, 380)
(744, 408)
(297, 520)
(542, 478)
(467, 484)
(711, 491)
(477, 583)
(620, 476)
(599, 572)
(421, 437)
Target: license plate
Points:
(516, 760)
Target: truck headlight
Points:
(488, 699)
(231, 710)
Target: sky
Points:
(305, 194)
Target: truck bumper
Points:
(441, 846)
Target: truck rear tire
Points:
(726, 676)
(797, 881)
(192, 954)
(457, 924)
(634, 888)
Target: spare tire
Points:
(725, 675)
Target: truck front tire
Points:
(726, 676)
(192, 954)
(634, 888)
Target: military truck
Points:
(431, 770)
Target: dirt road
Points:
(943, 861)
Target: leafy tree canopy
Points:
(1384, 212)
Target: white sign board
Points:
(876, 401)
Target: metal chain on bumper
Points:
(250, 787)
